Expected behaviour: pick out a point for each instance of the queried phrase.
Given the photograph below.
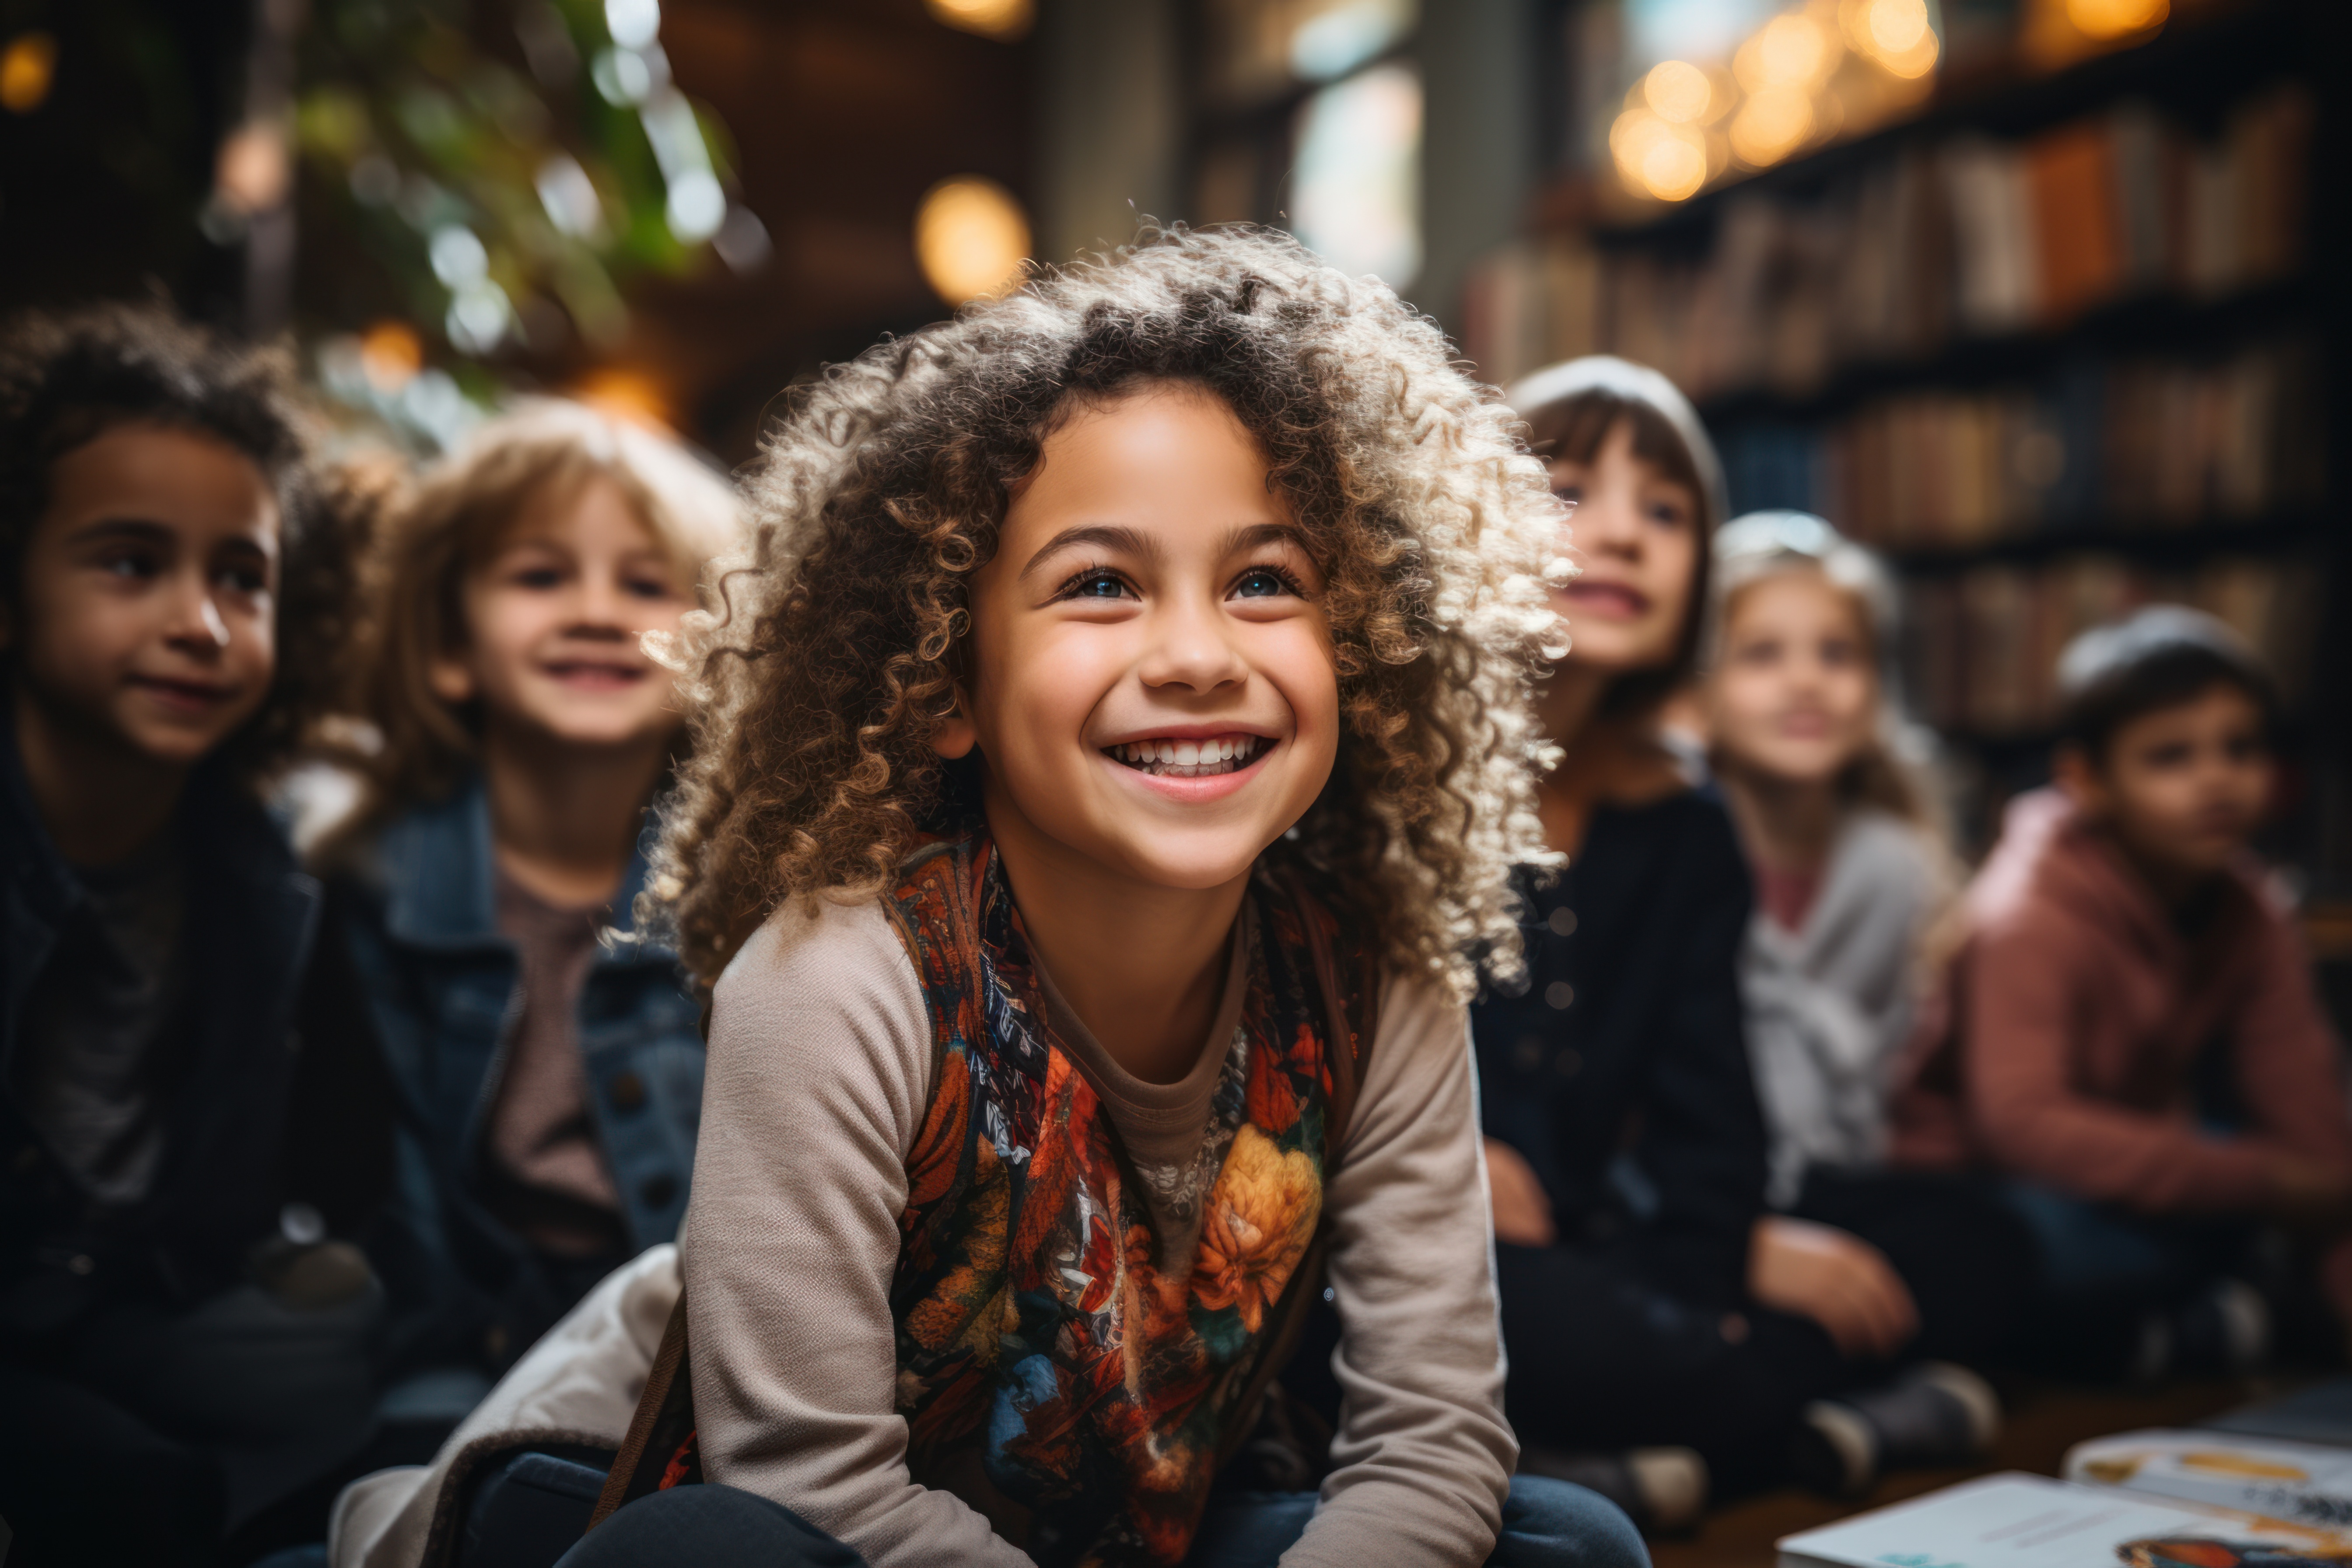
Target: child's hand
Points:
(1522, 1212)
(1835, 1278)
(2303, 1191)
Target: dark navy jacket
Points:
(1622, 1073)
(445, 989)
(274, 1095)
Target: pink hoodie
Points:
(2080, 1013)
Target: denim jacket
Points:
(445, 989)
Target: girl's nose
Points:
(196, 624)
(1607, 527)
(599, 601)
(1189, 648)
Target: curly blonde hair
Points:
(423, 544)
(845, 632)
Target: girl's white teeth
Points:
(1192, 758)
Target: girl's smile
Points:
(1634, 538)
(1153, 691)
(553, 620)
(1199, 770)
(1795, 690)
(1610, 601)
(594, 675)
(185, 695)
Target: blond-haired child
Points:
(1831, 788)
(548, 1071)
(1824, 781)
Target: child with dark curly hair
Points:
(1109, 759)
(185, 1112)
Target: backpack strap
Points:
(1350, 1030)
(660, 1451)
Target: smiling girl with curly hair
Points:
(1109, 763)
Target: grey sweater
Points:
(1830, 1006)
(819, 1078)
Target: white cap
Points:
(1622, 378)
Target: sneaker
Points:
(1661, 1490)
(2227, 1329)
(1933, 1414)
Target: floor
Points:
(2043, 1420)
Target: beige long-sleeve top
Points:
(819, 1076)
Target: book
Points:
(2071, 173)
(2018, 1521)
(2134, 443)
(2319, 1414)
(1927, 242)
(2299, 1483)
(1981, 645)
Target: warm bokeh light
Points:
(254, 170)
(1896, 34)
(1658, 157)
(2114, 18)
(1895, 26)
(1771, 124)
(1679, 91)
(1000, 19)
(630, 395)
(972, 237)
(28, 67)
(390, 354)
(1793, 51)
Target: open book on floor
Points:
(2296, 1483)
(2017, 1520)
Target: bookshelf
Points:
(2057, 344)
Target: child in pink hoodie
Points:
(2131, 1033)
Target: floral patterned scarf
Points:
(1044, 1351)
(1032, 1317)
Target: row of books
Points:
(2131, 443)
(1965, 236)
(1981, 645)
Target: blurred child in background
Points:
(2133, 1036)
(1649, 1314)
(188, 1109)
(549, 1072)
(1825, 782)
(1837, 829)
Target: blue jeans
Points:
(2103, 1252)
(1546, 1524)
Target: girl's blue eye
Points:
(538, 577)
(1262, 583)
(1096, 585)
